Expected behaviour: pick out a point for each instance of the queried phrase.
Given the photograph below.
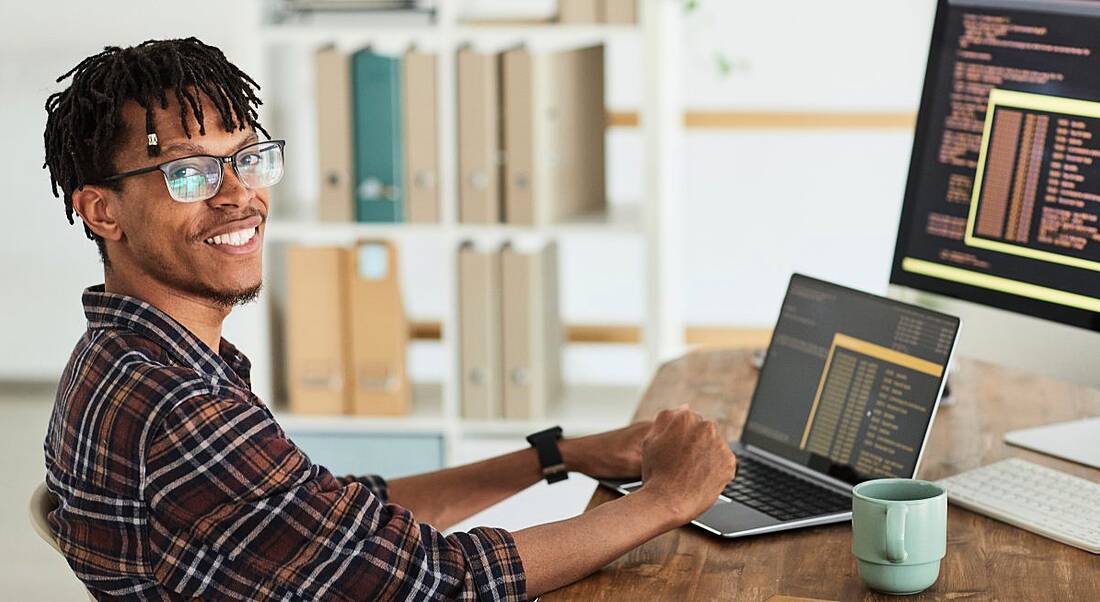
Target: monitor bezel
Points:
(821, 464)
(1080, 318)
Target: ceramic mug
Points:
(899, 533)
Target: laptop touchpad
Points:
(729, 517)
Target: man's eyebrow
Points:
(192, 148)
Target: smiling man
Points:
(174, 479)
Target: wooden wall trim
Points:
(803, 120)
(631, 334)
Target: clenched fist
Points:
(686, 461)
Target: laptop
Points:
(847, 392)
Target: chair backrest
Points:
(42, 503)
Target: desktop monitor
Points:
(1002, 204)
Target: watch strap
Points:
(550, 459)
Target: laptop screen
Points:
(850, 382)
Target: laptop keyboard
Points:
(781, 495)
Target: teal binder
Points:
(379, 155)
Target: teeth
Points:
(235, 239)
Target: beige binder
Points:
(531, 329)
(420, 131)
(334, 134)
(620, 12)
(317, 342)
(478, 137)
(578, 165)
(554, 135)
(519, 160)
(479, 283)
(379, 330)
(580, 11)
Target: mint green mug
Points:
(899, 533)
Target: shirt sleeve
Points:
(237, 511)
(374, 483)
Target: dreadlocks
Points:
(83, 121)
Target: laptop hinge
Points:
(841, 486)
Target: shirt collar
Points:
(112, 310)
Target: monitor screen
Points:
(1002, 205)
(850, 382)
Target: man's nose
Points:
(233, 192)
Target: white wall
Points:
(759, 204)
(45, 262)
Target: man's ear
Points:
(95, 205)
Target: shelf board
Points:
(426, 416)
(582, 409)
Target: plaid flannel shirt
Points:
(175, 482)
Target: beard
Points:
(225, 297)
(231, 298)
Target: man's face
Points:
(166, 239)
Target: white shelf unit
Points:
(583, 408)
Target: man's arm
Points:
(237, 511)
(445, 497)
(685, 464)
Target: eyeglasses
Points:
(199, 177)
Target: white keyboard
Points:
(1042, 500)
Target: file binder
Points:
(580, 11)
(418, 77)
(517, 84)
(531, 329)
(578, 166)
(317, 369)
(379, 331)
(479, 274)
(620, 12)
(554, 136)
(334, 129)
(478, 137)
(379, 157)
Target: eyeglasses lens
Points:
(261, 165)
(193, 179)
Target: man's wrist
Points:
(663, 510)
(573, 455)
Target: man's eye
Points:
(249, 160)
(185, 172)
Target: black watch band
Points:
(546, 446)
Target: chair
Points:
(42, 503)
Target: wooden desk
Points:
(986, 559)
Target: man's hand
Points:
(685, 462)
(615, 453)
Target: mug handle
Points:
(895, 532)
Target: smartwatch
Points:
(546, 446)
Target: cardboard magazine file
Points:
(334, 133)
(479, 281)
(317, 341)
(418, 73)
(532, 331)
(479, 191)
(379, 331)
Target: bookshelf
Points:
(653, 219)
